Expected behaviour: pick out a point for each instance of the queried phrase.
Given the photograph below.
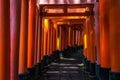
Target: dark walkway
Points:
(67, 69)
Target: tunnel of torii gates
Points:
(28, 32)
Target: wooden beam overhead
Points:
(65, 7)
(65, 14)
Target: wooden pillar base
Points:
(31, 73)
(104, 73)
(97, 69)
(114, 75)
(37, 71)
(84, 60)
(22, 76)
(92, 69)
(88, 65)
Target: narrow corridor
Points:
(59, 39)
(71, 68)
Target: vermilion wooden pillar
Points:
(4, 39)
(36, 52)
(23, 40)
(69, 29)
(115, 39)
(45, 35)
(104, 39)
(52, 40)
(55, 38)
(92, 34)
(76, 36)
(45, 44)
(97, 31)
(97, 37)
(85, 41)
(42, 42)
(88, 44)
(82, 33)
(31, 39)
(39, 48)
(92, 46)
(15, 11)
(78, 39)
(67, 35)
(74, 32)
(88, 38)
(62, 38)
(31, 33)
(71, 36)
(51, 37)
(48, 42)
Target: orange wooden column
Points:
(71, 36)
(86, 46)
(23, 40)
(69, 29)
(67, 35)
(48, 42)
(81, 37)
(55, 36)
(31, 33)
(39, 46)
(54, 39)
(97, 37)
(115, 39)
(74, 32)
(92, 36)
(92, 46)
(88, 43)
(15, 11)
(85, 41)
(88, 38)
(90, 50)
(78, 39)
(51, 28)
(104, 39)
(45, 37)
(97, 31)
(56, 33)
(42, 42)
(4, 39)
(82, 33)
(62, 38)
(36, 53)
